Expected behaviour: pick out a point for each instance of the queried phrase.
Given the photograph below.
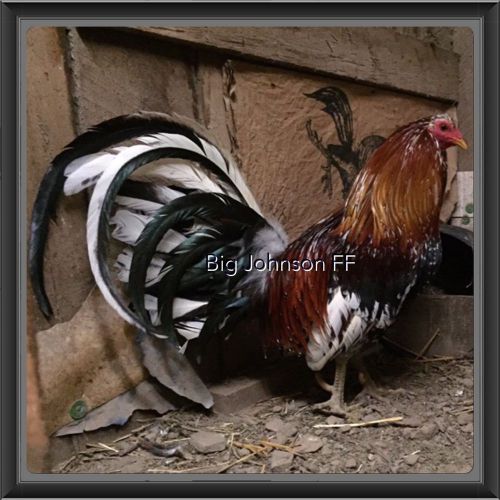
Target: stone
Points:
(281, 438)
(428, 431)
(309, 444)
(243, 452)
(208, 442)
(370, 416)
(350, 463)
(245, 469)
(411, 459)
(289, 430)
(281, 460)
(276, 424)
(334, 420)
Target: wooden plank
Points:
(271, 110)
(49, 129)
(463, 43)
(210, 105)
(263, 382)
(93, 356)
(378, 56)
(67, 273)
(114, 73)
(37, 436)
(423, 314)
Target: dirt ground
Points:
(427, 429)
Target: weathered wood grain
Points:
(463, 43)
(49, 129)
(94, 356)
(282, 166)
(68, 278)
(209, 91)
(115, 73)
(422, 315)
(378, 56)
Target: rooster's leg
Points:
(370, 387)
(335, 405)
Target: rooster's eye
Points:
(443, 127)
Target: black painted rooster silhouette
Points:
(344, 157)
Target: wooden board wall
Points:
(281, 164)
(49, 128)
(256, 109)
(374, 56)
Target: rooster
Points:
(171, 198)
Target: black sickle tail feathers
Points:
(104, 135)
(173, 198)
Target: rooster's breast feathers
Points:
(391, 225)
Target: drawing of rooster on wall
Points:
(346, 157)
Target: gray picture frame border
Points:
(17, 481)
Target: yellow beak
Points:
(461, 143)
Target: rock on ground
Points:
(280, 460)
(436, 423)
(208, 442)
(276, 424)
(308, 444)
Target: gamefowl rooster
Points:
(171, 198)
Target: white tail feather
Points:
(189, 329)
(138, 205)
(101, 171)
(84, 172)
(94, 210)
(129, 226)
(153, 273)
(184, 174)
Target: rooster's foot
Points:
(335, 405)
(347, 412)
(331, 407)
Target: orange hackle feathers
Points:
(392, 210)
(397, 196)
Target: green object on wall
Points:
(78, 410)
